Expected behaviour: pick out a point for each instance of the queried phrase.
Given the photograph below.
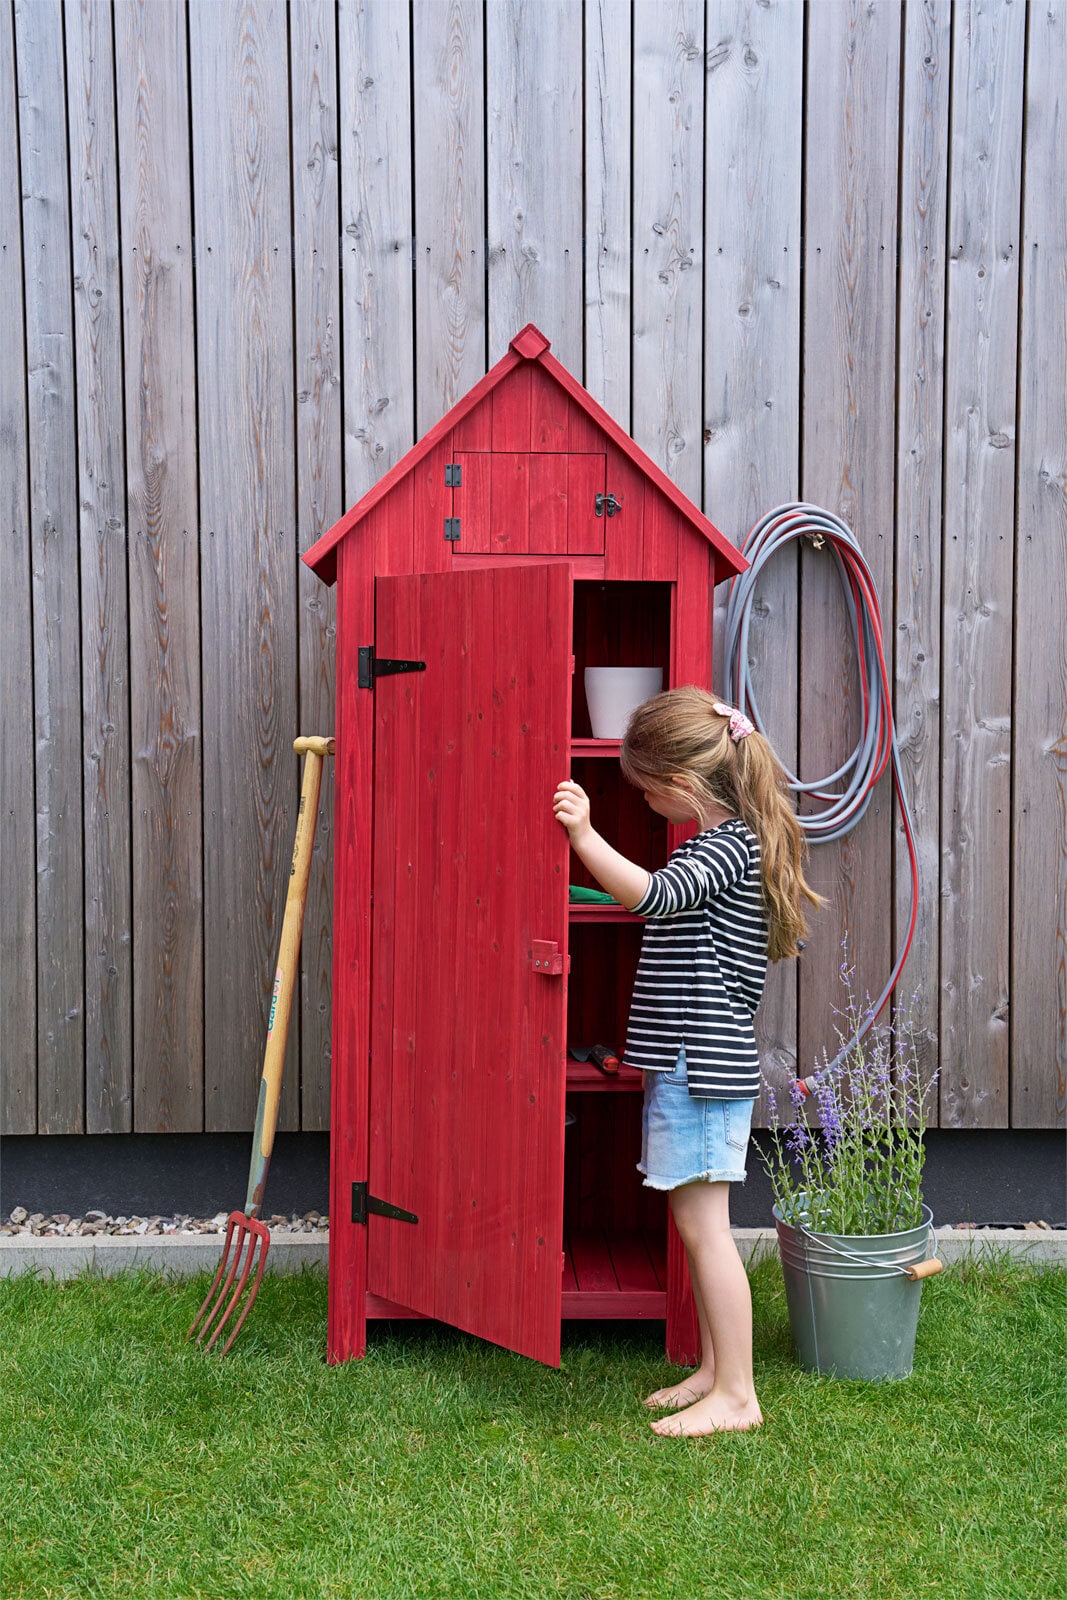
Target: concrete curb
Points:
(183, 1255)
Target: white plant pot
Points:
(612, 693)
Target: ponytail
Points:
(686, 734)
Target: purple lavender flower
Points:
(829, 1115)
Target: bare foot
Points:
(714, 1413)
(679, 1395)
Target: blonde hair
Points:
(680, 735)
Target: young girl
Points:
(728, 898)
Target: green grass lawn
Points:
(134, 1466)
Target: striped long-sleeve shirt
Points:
(703, 964)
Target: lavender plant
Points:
(860, 1170)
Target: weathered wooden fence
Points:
(249, 253)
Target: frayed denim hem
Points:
(665, 1186)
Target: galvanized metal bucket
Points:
(853, 1301)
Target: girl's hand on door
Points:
(571, 807)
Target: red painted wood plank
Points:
(346, 1333)
(583, 431)
(616, 1306)
(664, 533)
(624, 547)
(550, 509)
(475, 430)
(512, 411)
(633, 1265)
(465, 1296)
(592, 1263)
(549, 414)
(692, 620)
(590, 568)
(541, 1006)
(433, 502)
(396, 1175)
(390, 530)
(586, 533)
(509, 502)
(471, 503)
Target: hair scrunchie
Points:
(740, 727)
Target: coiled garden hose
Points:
(844, 795)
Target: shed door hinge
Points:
(363, 1204)
(371, 666)
(454, 475)
(452, 529)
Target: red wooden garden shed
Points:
(480, 1175)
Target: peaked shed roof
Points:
(530, 344)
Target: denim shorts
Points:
(689, 1140)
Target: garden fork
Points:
(246, 1235)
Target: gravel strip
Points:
(61, 1226)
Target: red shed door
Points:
(467, 1077)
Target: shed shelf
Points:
(601, 913)
(596, 747)
(584, 1077)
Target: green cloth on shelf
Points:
(596, 897)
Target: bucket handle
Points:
(919, 1269)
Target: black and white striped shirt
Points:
(703, 964)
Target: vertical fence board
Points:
(668, 214)
(104, 596)
(753, 145)
(980, 380)
(319, 497)
(920, 401)
(852, 91)
(240, 97)
(54, 536)
(376, 221)
(160, 386)
(533, 73)
(449, 71)
(608, 133)
(1039, 767)
(18, 934)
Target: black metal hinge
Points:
(452, 528)
(363, 1204)
(454, 475)
(371, 666)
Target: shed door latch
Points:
(548, 959)
(608, 503)
(370, 666)
(363, 1204)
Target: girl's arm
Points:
(621, 878)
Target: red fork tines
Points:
(250, 1240)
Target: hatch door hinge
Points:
(454, 475)
(452, 529)
(363, 1204)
